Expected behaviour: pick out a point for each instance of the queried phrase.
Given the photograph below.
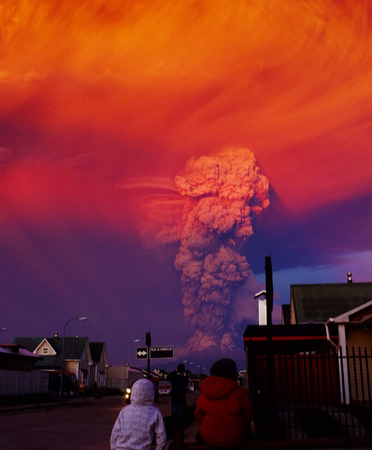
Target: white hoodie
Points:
(139, 422)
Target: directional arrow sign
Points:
(141, 353)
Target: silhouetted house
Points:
(347, 305)
(322, 320)
(99, 363)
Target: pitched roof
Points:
(73, 349)
(360, 314)
(18, 350)
(13, 357)
(319, 302)
(96, 349)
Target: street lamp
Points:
(63, 349)
(125, 365)
(3, 329)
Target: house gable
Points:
(96, 349)
(44, 349)
(98, 353)
(361, 314)
(75, 349)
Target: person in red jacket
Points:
(224, 409)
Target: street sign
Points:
(161, 352)
(155, 352)
(141, 353)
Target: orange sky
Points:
(145, 85)
(104, 99)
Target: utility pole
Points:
(271, 379)
(148, 344)
(269, 290)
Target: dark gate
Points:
(312, 395)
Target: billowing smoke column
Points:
(223, 192)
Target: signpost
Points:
(149, 352)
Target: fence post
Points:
(344, 377)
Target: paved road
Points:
(84, 426)
(75, 427)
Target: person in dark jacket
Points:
(224, 409)
(179, 382)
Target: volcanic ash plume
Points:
(223, 193)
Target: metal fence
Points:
(313, 395)
(14, 382)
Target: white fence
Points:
(13, 382)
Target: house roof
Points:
(17, 350)
(319, 302)
(13, 357)
(360, 314)
(290, 338)
(312, 331)
(73, 349)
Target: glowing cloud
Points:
(221, 194)
(145, 85)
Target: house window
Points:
(45, 350)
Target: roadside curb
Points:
(8, 410)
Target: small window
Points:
(45, 350)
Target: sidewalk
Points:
(73, 402)
(190, 433)
(300, 444)
(304, 444)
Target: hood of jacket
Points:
(216, 388)
(143, 393)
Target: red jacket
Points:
(224, 412)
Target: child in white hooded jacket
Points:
(139, 422)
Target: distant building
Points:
(322, 318)
(99, 363)
(316, 303)
(86, 361)
(116, 376)
(349, 305)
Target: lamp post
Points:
(63, 349)
(125, 365)
(3, 329)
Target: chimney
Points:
(262, 308)
(262, 311)
(349, 277)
